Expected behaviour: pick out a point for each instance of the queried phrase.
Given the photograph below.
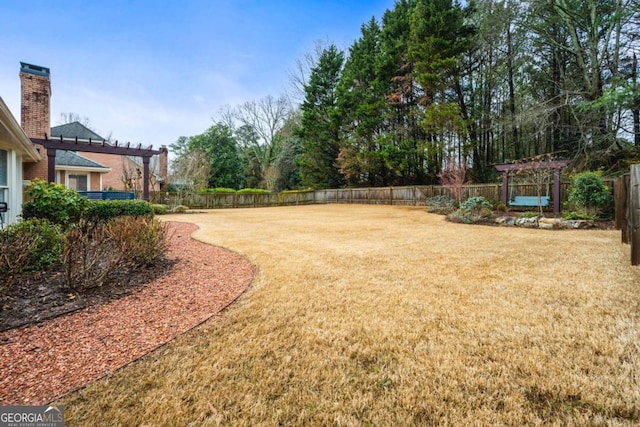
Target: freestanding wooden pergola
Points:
(555, 165)
(89, 146)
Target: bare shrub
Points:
(145, 240)
(94, 254)
(90, 257)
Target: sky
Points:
(151, 71)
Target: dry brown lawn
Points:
(390, 316)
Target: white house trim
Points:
(19, 150)
(81, 169)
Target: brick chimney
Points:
(35, 112)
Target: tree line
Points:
(435, 83)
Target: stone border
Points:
(545, 223)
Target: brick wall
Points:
(95, 181)
(118, 164)
(37, 169)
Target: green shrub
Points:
(494, 203)
(105, 210)
(440, 204)
(471, 211)
(529, 214)
(218, 190)
(589, 194)
(475, 204)
(30, 245)
(179, 209)
(159, 209)
(301, 190)
(469, 216)
(573, 216)
(501, 207)
(53, 202)
(461, 217)
(253, 191)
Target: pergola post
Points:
(556, 191)
(51, 164)
(505, 188)
(145, 178)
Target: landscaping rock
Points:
(578, 224)
(505, 220)
(549, 223)
(545, 223)
(527, 222)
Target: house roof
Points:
(72, 159)
(13, 134)
(75, 130)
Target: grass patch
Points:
(377, 315)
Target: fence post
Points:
(621, 199)
(634, 217)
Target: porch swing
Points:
(553, 165)
(529, 201)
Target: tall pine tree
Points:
(320, 127)
(363, 104)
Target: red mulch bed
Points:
(49, 358)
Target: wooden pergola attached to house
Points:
(555, 165)
(89, 146)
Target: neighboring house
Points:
(91, 170)
(16, 150)
(78, 172)
(123, 172)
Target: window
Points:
(4, 174)
(78, 182)
(4, 168)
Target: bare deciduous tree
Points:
(131, 174)
(262, 120)
(190, 173)
(300, 73)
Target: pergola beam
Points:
(554, 164)
(89, 146)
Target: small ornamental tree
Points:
(454, 176)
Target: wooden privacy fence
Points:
(627, 201)
(408, 196)
(234, 200)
